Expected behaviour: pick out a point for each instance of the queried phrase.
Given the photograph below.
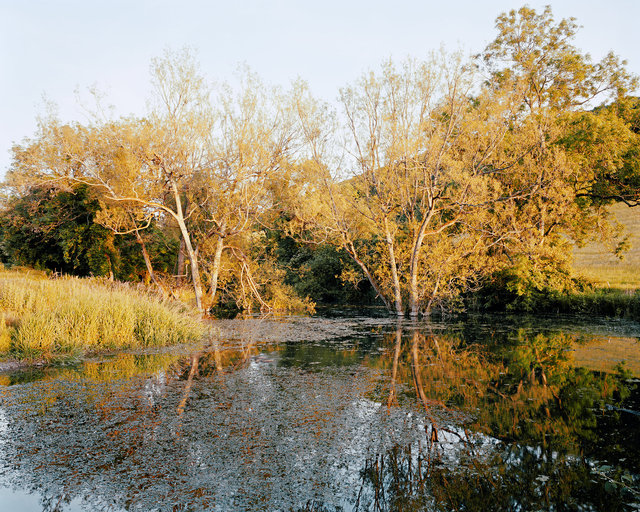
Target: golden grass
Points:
(5, 335)
(598, 264)
(46, 318)
(623, 277)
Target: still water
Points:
(336, 413)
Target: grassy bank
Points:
(43, 318)
(615, 282)
(594, 302)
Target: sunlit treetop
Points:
(535, 53)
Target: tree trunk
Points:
(111, 277)
(193, 255)
(180, 263)
(414, 301)
(254, 289)
(217, 258)
(351, 250)
(414, 267)
(195, 271)
(147, 262)
(397, 294)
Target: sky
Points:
(56, 50)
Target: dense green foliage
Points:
(316, 271)
(621, 182)
(524, 288)
(55, 229)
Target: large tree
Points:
(453, 172)
(145, 166)
(415, 213)
(199, 163)
(567, 151)
(250, 147)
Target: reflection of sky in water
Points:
(294, 424)
(262, 434)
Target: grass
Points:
(598, 264)
(43, 318)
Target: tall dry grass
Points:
(45, 318)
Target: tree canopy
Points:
(432, 175)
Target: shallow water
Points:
(336, 413)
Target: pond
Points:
(336, 413)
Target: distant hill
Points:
(597, 263)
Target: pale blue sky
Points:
(55, 47)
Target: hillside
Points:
(597, 263)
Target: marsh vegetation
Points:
(49, 319)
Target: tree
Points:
(608, 140)
(567, 152)
(53, 228)
(250, 146)
(204, 168)
(533, 55)
(145, 166)
(413, 214)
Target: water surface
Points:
(336, 413)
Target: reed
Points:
(74, 317)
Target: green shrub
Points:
(528, 289)
(529, 286)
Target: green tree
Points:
(608, 138)
(53, 228)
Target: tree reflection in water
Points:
(535, 435)
(412, 420)
(505, 480)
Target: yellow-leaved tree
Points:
(422, 146)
